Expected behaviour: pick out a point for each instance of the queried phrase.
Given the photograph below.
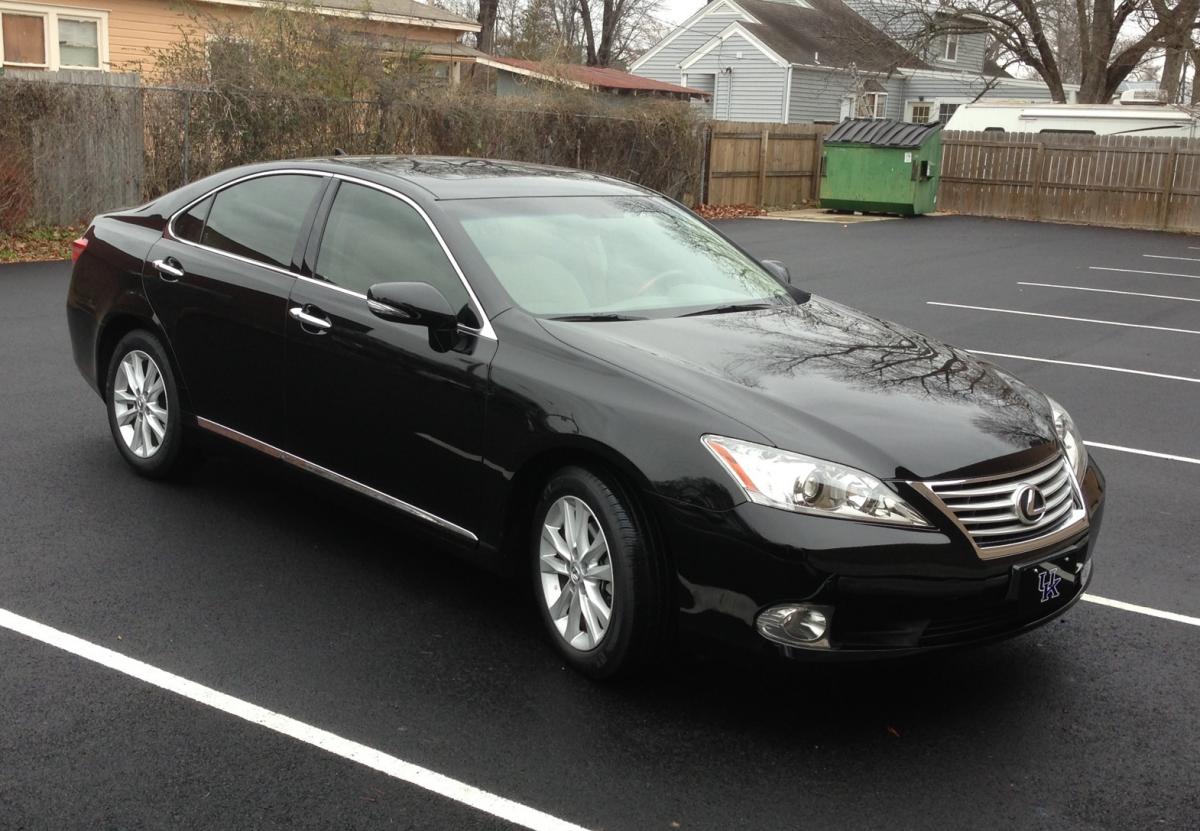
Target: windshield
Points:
(611, 255)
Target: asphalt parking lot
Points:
(380, 663)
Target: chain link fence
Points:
(70, 151)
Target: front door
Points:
(371, 399)
(220, 288)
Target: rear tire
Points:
(599, 579)
(144, 412)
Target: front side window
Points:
(922, 113)
(24, 38)
(945, 111)
(596, 255)
(372, 237)
(78, 43)
(261, 218)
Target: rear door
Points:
(369, 398)
(219, 283)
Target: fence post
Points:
(187, 123)
(762, 167)
(814, 181)
(706, 165)
(1035, 208)
(1168, 187)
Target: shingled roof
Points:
(825, 32)
(591, 76)
(410, 9)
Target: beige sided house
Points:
(111, 35)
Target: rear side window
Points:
(261, 218)
(372, 237)
(188, 226)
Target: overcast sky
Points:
(676, 11)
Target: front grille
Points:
(986, 509)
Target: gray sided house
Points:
(820, 60)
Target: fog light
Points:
(795, 625)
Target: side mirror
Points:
(415, 304)
(779, 270)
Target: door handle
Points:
(169, 269)
(307, 319)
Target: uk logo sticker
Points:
(1048, 584)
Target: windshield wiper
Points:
(598, 318)
(732, 307)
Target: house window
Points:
(873, 105)
(52, 37)
(24, 38)
(920, 112)
(950, 48)
(945, 111)
(78, 43)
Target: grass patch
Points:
(38, 244)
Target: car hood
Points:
(835, 383)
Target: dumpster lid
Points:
(881, 132)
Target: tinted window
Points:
(372, 237)
(261, 218)
(188, 226)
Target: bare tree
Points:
(1095, 43)
(611, 27)
(487, 21)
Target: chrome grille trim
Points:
(983, 508)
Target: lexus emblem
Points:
(1029, 503)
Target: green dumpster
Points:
(879, 165)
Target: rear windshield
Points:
(592, 255)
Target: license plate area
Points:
(1043, 586)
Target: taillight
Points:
(78, 247)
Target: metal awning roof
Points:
(882, 132)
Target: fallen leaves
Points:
(37, 244)
(728, 211)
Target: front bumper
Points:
(891, 591)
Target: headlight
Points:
(1072, 440)
(794, 482)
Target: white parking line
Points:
(1152, 453)
(1142, 610)
(429, 780)
(1065, 317)
(1139, 271)
(1087, 366)
(1111, 291)
(1165, 257)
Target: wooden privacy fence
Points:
(769, 165)
(1114, 181)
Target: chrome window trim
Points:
(484, 331)
(332, 476)
(260, 174)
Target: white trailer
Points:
(1081, 119)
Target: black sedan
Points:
(577, 378)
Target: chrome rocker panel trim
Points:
(332, 476)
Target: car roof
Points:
(451, 177)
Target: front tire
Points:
(599, 579)
(144, 412)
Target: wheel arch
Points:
(531, 477)
(116, 326)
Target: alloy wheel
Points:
(576, 571)
(139, 402)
